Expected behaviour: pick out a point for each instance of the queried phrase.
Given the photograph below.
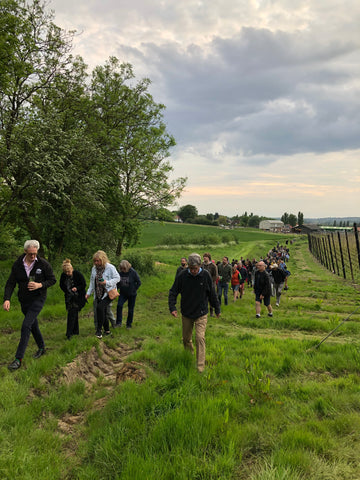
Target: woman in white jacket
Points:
(104, 277)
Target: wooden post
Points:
(349, 253)
(341, 255)
(331, 254)
(336, 261)
(357, 242)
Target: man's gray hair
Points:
(194, 259)
(31, 244)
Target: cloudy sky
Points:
(262, 96)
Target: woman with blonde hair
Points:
(129, 284)
(73, 284)
(104, 277)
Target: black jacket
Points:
(278, 275)
(43, 274)
(78, 281)
(129, 283)
(196, 292)
(262, 283)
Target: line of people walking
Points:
(201, 284)
(34, 275)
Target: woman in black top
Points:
(128, 285)
(73, 284)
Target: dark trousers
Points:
(223, 287)
(30, 325)
(72, 327)
(131, 305)
(102, 319)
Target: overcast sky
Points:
(262, 96)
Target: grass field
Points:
(269, 405)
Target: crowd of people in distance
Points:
(34, 275)
(204, 283)
(201, 282)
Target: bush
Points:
(143, 263)
(199, 239)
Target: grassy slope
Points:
(268, 406)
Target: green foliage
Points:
(291, 219)
(187, 212)
(258, 382)
(80, 159)
(142, 262)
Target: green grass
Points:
(154, 233)
(269, 405)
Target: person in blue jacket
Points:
(128, 287)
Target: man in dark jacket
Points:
(183, 266)
(33, 275)
(197, 290)
(212, 269)
(279, 277)
(262, 289)
(225, 272)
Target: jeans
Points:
(30, 325)
(131, 305)
(223, 287)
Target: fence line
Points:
(338, 252)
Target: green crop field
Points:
(155, 233)
(269, 405)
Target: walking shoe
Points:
(277, 304)
(15, 364)
(270, 314)
(98, 335)
(106, 334)
(39, 353)
(257, 315)
(118, 325)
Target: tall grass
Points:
(268, 406)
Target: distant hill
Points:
(330, 220)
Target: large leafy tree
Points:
(187, 212)
(80, 161)
(33, 53)
(129, 129)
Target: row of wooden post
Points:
(323, 248)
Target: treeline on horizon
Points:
(189, 214)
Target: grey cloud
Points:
(229, 84)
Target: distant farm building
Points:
(271, 225)
(306, 228)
